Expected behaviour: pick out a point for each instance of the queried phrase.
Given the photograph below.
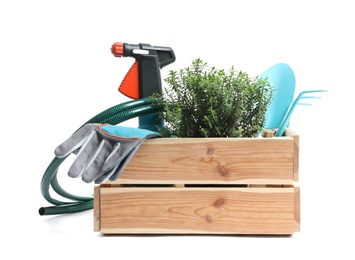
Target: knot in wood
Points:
(210, 151)
(222, 170)
(208, 218)
(219, 203)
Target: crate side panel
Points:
(296, 143)
(197, 210)
(97, 210)
(212, 160)
(297, 209)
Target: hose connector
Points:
(117, 49)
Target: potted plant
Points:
(203, 101)
(236, 184)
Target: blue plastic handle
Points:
(283, 80)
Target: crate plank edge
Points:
(205, 186)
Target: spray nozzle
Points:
(143, 79)
(165, 55)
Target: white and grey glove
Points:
(102, 150)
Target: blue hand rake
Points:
(286, 119)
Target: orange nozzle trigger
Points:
(130, 84)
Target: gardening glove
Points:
(102, 150)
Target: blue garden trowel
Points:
(282, 79)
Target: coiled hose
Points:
(113, 115)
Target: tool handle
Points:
(150, 60)
(165, 54)
(144, 79)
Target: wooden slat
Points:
(212, 160)
(97, 210)
(297, 209)
(197, 210)
(296, 143)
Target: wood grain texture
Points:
(97, 209)
(204, 195)
(297, 209)
(213, 160)
(197, 210)
(296, 143)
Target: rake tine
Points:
(286, 119)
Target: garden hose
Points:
(113, 115)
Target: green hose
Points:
(113, 115)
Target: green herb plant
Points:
(202, 101)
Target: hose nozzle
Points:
(117, 49)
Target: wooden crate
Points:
(204, 186)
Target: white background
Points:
(56, 72)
